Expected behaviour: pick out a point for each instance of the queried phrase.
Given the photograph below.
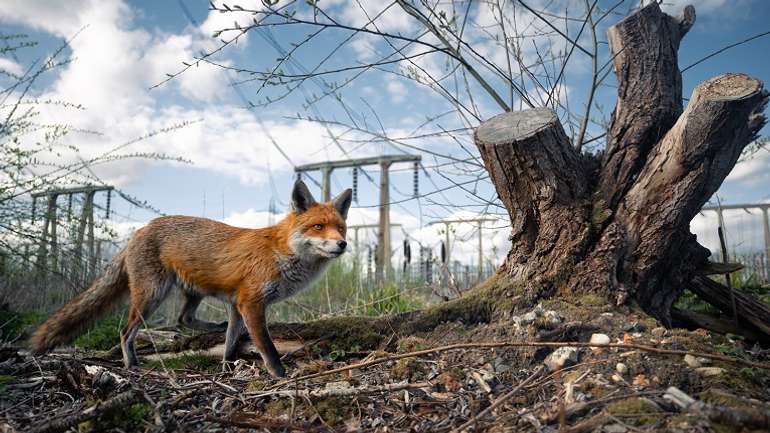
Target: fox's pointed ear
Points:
(342, 202)
(301, 198)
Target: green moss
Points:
(406, 368)
(129, 418)
(255, 386)
(721, 398)
(348, 332)
(5, 380)
(332, 410)
(411, 344)
(104, 335)
(638, 410)
(750, 382)
(590, 300)
(599, 213)
(277, 408)
(497, 294)
(187, 362)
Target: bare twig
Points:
(505, 397)
(500, 345)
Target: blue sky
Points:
(127, 46)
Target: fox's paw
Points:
(227, 367)
(277, 369)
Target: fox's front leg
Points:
(234, 327)
(253, 313)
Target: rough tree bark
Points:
(627, 234)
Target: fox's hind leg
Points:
(146, 297)
(187, 316)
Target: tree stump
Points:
(618, 224)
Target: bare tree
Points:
(36, 155)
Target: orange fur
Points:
(205, 258)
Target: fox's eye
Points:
(318, 227)
(341, 229)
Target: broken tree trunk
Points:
(542, 181)
(625, 235)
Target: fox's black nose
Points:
(342, 244)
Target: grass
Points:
(749, 284)
(5, 380)
(188, 361)
(343, 290)
(104, 335)
(15, 325)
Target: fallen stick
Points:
(504, 344)
(739, 417)
(262, 423)
(507, 396)
(69, 421)
(342, 391)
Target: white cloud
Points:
(675, 7)
(11, 67)
(392, 20)
(743, 231)
(218, 21)
(397, 90)
(116, 64)
(752, 171)
(53, 16)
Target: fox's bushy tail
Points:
(83, 310)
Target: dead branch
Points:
(499, 401)
(740, 417)
(64, 423)
(341, 390)
(500, 345)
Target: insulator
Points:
(109, 199)
(69, 206)
(416, 179)
(355, 184)
(407, 251)
(443, 252)
(34, 205)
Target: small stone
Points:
(634, 327)
(525, 319)
(552, 317)
(601, 339)
(691, 361)
(710, 371)
(641, 380)
(615, 428)
(617, 378)
(659, 332)
(562, 357)
(621, 368)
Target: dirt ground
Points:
(613, 390)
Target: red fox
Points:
(248, 268)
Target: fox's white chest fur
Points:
(296, 274)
